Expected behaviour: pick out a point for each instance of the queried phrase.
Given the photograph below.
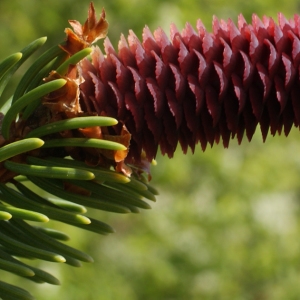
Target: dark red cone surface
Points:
(198, 86)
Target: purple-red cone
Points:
(198, 86)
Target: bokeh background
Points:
(227, 222)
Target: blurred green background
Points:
(227, 222)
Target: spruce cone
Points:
(200, 86)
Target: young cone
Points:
(198, 86)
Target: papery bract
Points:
(88, 33)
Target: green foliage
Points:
(20, 200)
(227, 222)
